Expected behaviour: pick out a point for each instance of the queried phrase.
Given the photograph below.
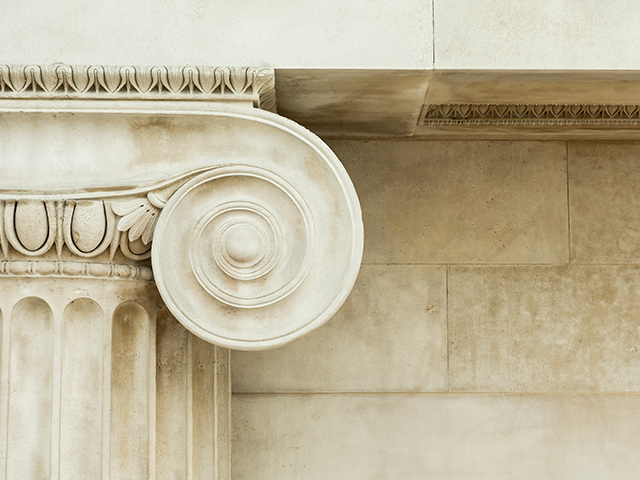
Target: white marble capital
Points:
(151, 219)
(252, 225)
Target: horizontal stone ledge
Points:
(550, 131)
(338, 102)
(372, 102)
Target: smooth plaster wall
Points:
(493, 332)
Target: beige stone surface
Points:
(547, 34)
(353, 102)
(604, 190)
(528, 132)
(524, 329)
(460, 202)
(436, 436)
(279, 33)
(534, 86)
(390, 335)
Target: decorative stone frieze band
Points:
(136, 82)
(529, 115)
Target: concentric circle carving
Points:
(248, 254)
(255, 254)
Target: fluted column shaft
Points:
(98, 380)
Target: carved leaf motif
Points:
(482, 110)
(538, 110)
(32, 77)
(49, 75)
(520, 110)
(112, 79)
(611, 110)
(144, 79)
(139, 218)
(208, 79)
(65, 77)
(191, 79)
(462, 111)
(128, 79)
(96, 78)
(175, 79)
(574, 110)
(501, 110)
(237, 80)
(81, 81)
(441, 111)
(260, 79)
(555, 110)
(18, 79)
(593, 110)
(159, 74)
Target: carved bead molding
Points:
(529, 115)
(135, 82)
(249, 222)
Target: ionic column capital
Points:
(249, 222)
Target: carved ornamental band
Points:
(128, 81)
(556, 115)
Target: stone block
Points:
(279, 33)
(439, 436)
(547, 34)
(604, 196)
(353, 102)
(528, 329)
(460, 202)
(390, 335)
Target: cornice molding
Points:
(569, 115)
(139, 82)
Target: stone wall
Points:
(493, 332)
